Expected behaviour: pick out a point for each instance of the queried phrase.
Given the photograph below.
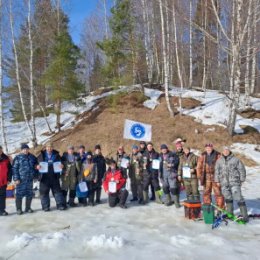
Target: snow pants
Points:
(231, 193)
(2, 199)
(151, 178)
(191, 188)
(117, 198)
(52, 184)
(170, 184)
(208, 187)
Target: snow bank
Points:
(154, 95)
(248, 150)
(20, 241)
(104, 242)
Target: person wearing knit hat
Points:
(142, 147)
(168, 173)
(89, 174)
(24, 172)
(50, 180)
(206, 172)
(49, 144)
(5, 179)
(100, 161)
(230, 173)
(135, 175)
(187, 174)
(72, 168)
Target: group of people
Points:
(165, 171)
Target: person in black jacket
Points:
(50, 180)
(5, 178)
(100, 161)
(150, 175)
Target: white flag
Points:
(137, 131)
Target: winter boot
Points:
(134, 199)
(145, 195)
(176, 199)
(158, 197)
(243, 210)
(168, 201)
(18, 203)
(3, 213)
(229, 206)
(72, 203)
(28, 203)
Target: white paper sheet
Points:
(83, 186)
(112, 187)
(44, 167)
(124, 163)
(56, 167)
(186, 172)
(156, 164)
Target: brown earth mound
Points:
(105, 126)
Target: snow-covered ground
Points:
(139, 232)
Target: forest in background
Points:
(207, 44)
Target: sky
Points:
(77, 11)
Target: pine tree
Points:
(60, 74)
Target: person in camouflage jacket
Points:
(230, 173)
(189, 161)
(136, 174)
(205, 172)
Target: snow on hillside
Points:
(139, 232)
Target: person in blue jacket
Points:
(24, 172)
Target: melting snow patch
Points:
(154, 95)
(20, 241)
(102, 241)
(53, 240)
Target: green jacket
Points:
(188, 161)
(136, 166)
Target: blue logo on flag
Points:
(137, 131)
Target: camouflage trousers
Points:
(208, 188)
(191, 188)
(232, 193)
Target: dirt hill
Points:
(104, 126)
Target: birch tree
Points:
(3, 133)
(165, 60)
(190, 45)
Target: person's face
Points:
(120, 150)
(149, 147)
(209, 149)
(135, 150)
(97, 151)
(179, 147)
(186, 151)
(81, 150)
(49, 149)
(89, 157)
(113, 166)
(226, 152)
(25, 151)
(142, 146)
(164, 151)
(70, 151)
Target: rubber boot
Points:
(243, 211)
(168, 201)
(28, 204)
(158, 197)
(18, 203)
(72, 203)
(176, 199)
(145, 195)
(229, 206)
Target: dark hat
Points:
(97, 147)
(209, 145)
(134, 146)
(24, 146)
(89, 153)
(164, 146)
(81, 146)
(142, 142)
(111, 161)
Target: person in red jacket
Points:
(5, 178)
(113, 184)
